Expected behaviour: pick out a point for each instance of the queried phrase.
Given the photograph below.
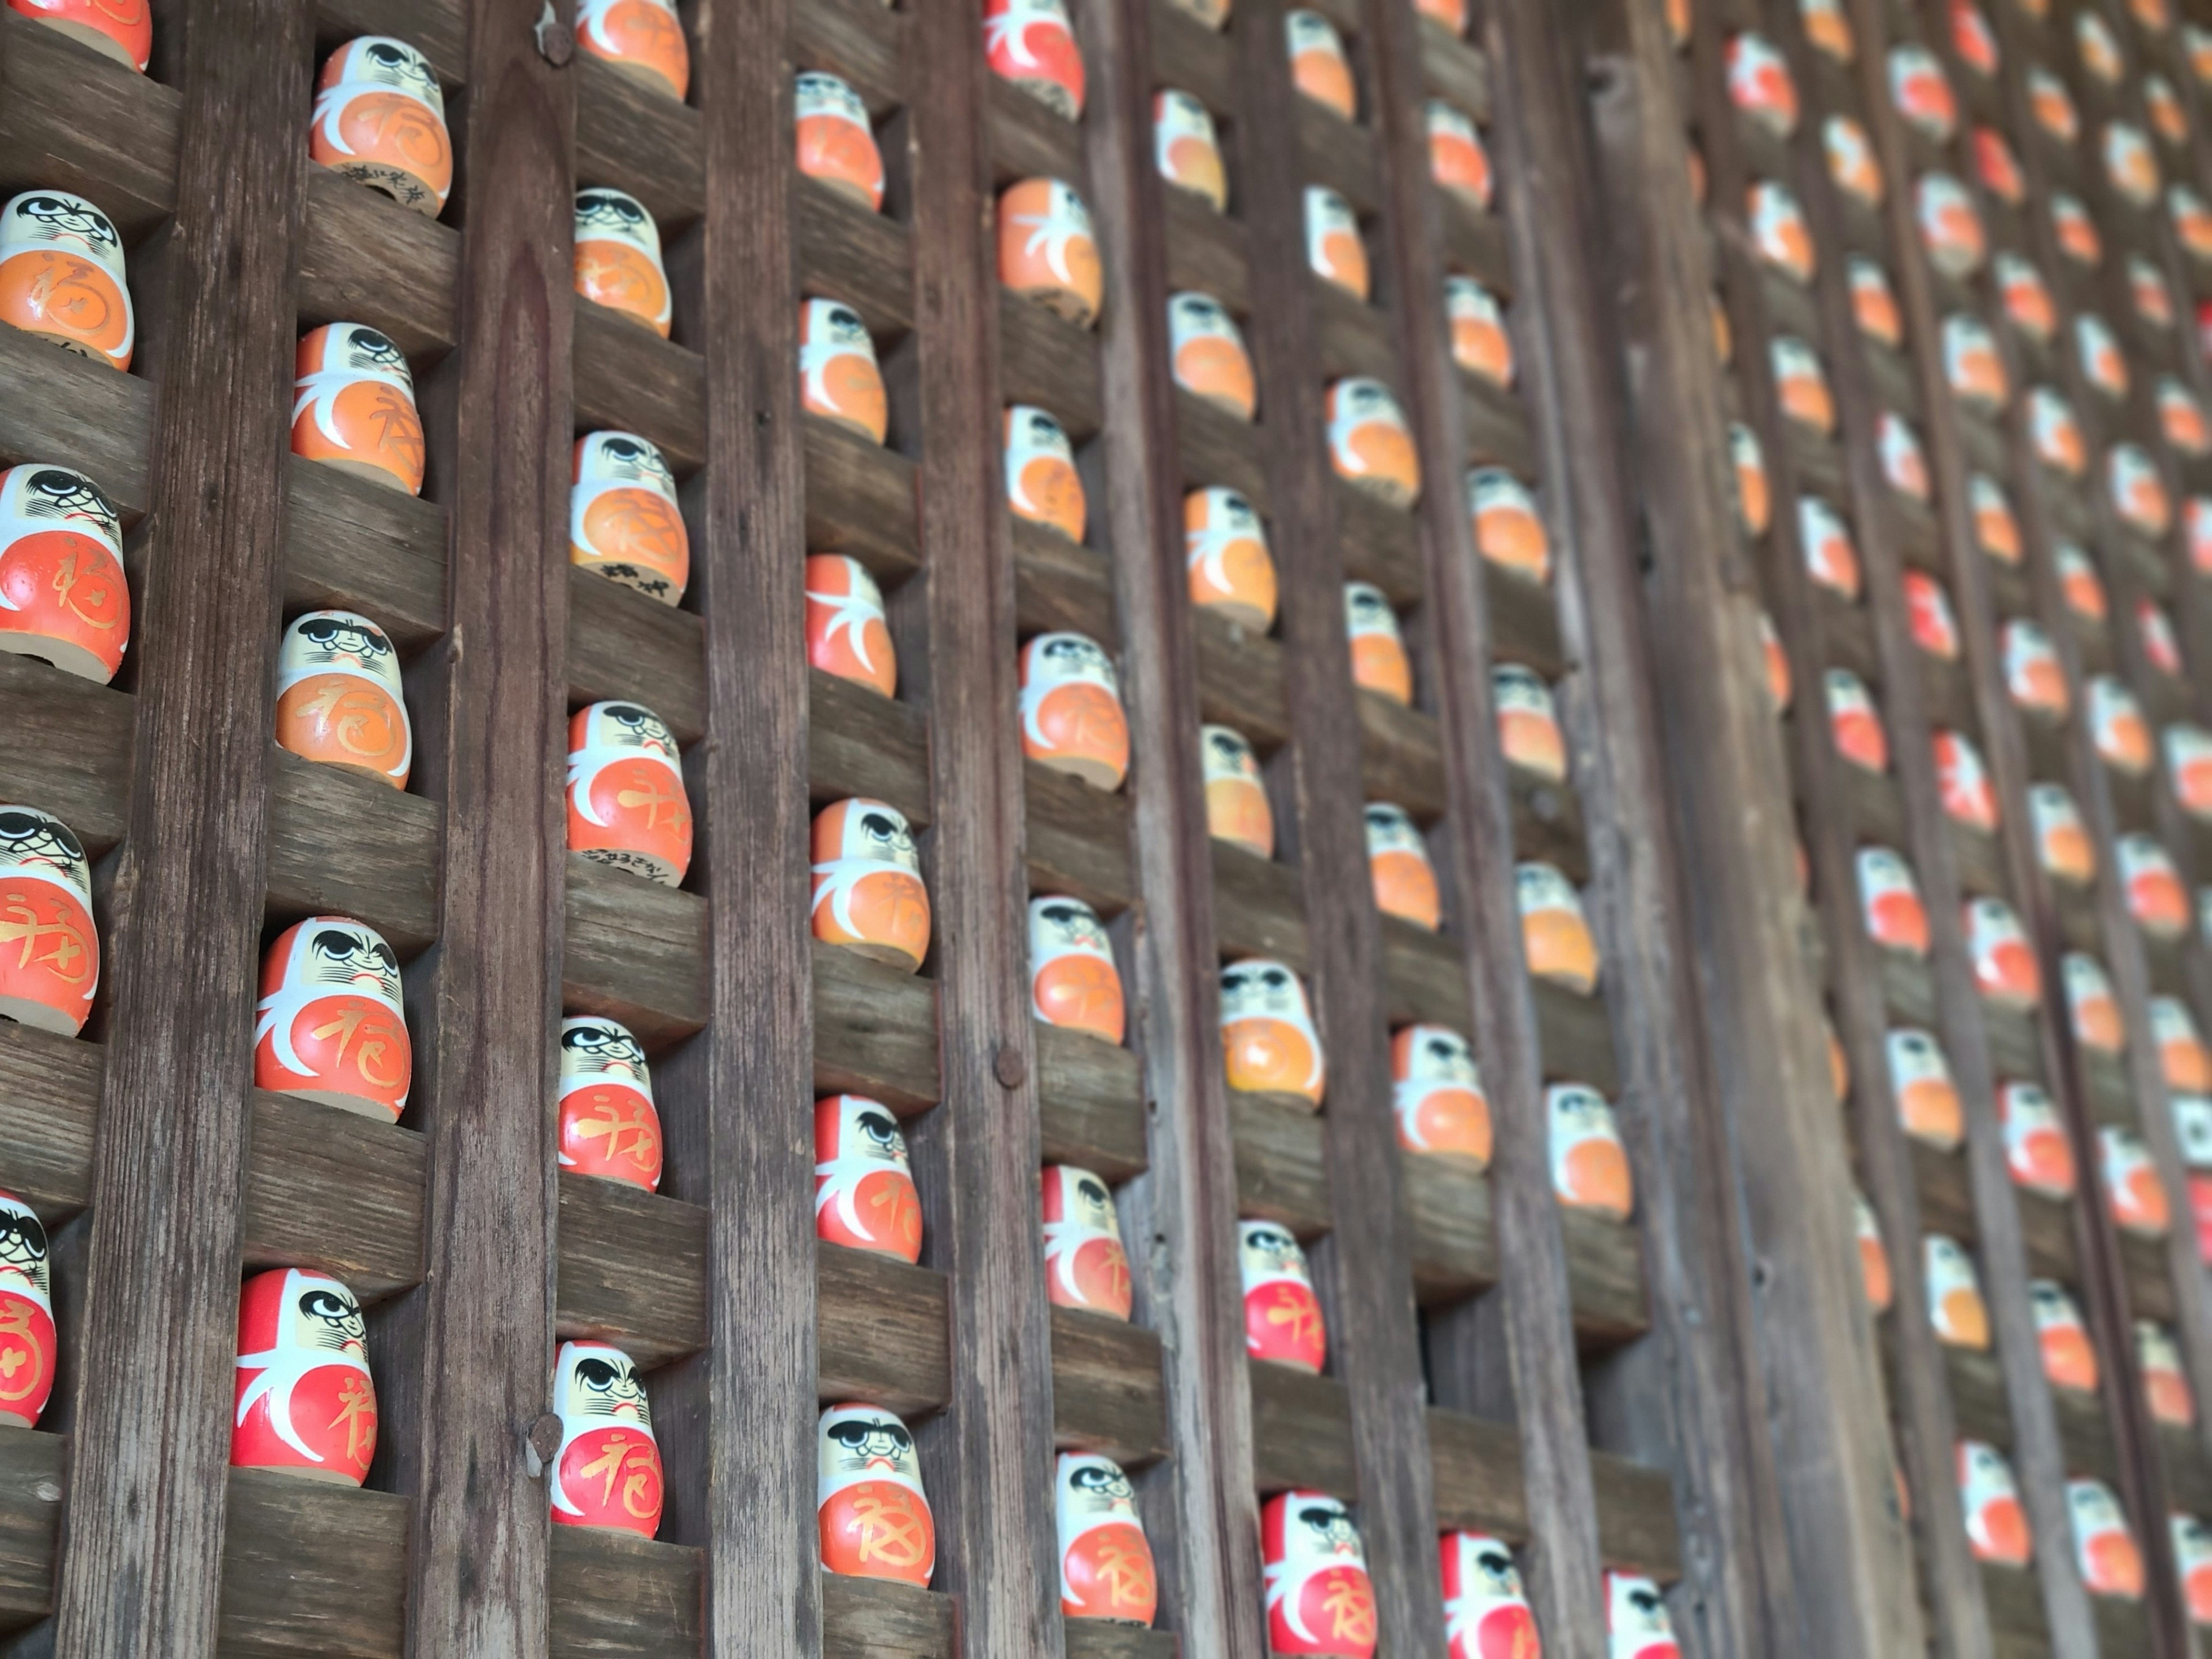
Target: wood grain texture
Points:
(311, 1568)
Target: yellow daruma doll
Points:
(1209, 357)
(1555, 937)
(868, 892)
(353, 406)
(618, 258)
(1528, 721)
(1589, 1165)
(1369, 443)
(623, 522)
(1319, 67)
(1236, 809)
(1509, 532)
(1072, 980)
(1334, 251)
(1398, 865)
(121, 29)
(1071, 708)
(845, 632)
(1480, 342)
(1379, 661)
(627, 804)
(838, 378)
(380, 117)
(1186, 149)
(1268, 1042)
(63, 597)
(836, 145)
(49, 949)
(1225, 551)
(1047, 252)
(1043, 485)
(643, 38)
(62, 275)
(338, 695)
(1436, 1090)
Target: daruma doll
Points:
(27, 1343)
(836, 145)
(1779, 230)
(2104, 1551)
(1635, 1621)
(1185, 149)
(626, 805)
(1955, 1310)
(618, 258)
(2079, 584)
(1972, 364)
(1950, 225)
(1225, 547)
(2161, 646)
(1319, 67)
(1996, 531)
(2192, 1559)
(1755, 494)
(304, 1404)
(1528, 721)
(2104, 364)
(1073, 982)
(2192, 221)
(330, 1025)
(1904, 462)
(1405, 882)
(1853, 723)
(2156, 898)
(1853, 164)
(2034, 677)
(1480, 342)
(1555, 937)
(1874, 1276)
(609, 1127)
(2056, 432)
(1487, 1612)
(1828, 29)
(1379, 661)
(2037, 1151)
(63, 595)
(2147, 290)
(2076, 232)
(1873, 302)
(1084, 1265)
(381, 118)
(1369, 442)
(2117, 723)
(1889, 901)
(2196, 527)
(623, 522)
(2062, 845)
(1776, 661)
(1760, 85)
(1928, 1107)
(2052, 106)
(2005, 968)
(868, 892)
(1105, 1564)
(2165, 1385)
(607, 1473)
(1047, 252)
(873, 1515)
(2182, 1057)
(1319, 1597)
(1998, 168)
(1962, 782)
(1030, 44)
(49, 949)
(1928, 613)
(2069, 1358)
(1209, 357)
(1800, 385)
(353, 406)
(1268, 1043)
(1236, 809)
(62, 275)
(863, 1194)
(2133, 1192)
(1509, 532)
(121, 29)
(643, 38)
(1996, 1523)
(838, 378)
(338, 698)
(2188, 751)
(847, 633)
(1282, 1317)
(1437, 1092)
(2100, 53)
(1334, 252)
(1457, 161)
(2028, 302)
(1071, 710)
(1043, 485)
(1589, 1165)
(1922, 93)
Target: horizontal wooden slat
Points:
(1207, 250)
(638, 139)
(353, 545)
(68, 751)
(1258, 910)
(1192, 59)
(630, 380)
(309, 1568)
(1028, 141)
(1045, 360)
(1106, 1394)
(846, 252)
(1240, 681)
(1091, 1103)
(34, 1475)
(341, 843)
(334, 1191)
(73, 119)
(1078, 840)
(862, 41)
(859, 743)
(1060, 587)
(364, 258)
(72, 412)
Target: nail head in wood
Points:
(1009, 1066)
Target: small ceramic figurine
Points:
(2193, 1561)
(2062, 845)
(864, 1193)
(49, 949)
(1904, 462)
(2147, 290)
(618, 259)
(1379, 661)
(1208, 352)
(868, 891)
(1997, 166)
(1962, 782)
(2183, 1057)
(120, 29)
(1800, 384)
(1950, 225)
(1071, 710)
(2100, 52)
(2069, 1358)
(847, 633)
(1486, 1611)
(1185, 149)
(339, 696)
(353, 406)
(1268, 1042)
(2005, 968)
(1589, 1165)
(1753, 492)
(1927, 1105)
(2192, 221)
(1319, 67)
(1928, 613)
(330, 1025)
(1226, 553)
(2161, 646)
(1996, 1522)
(623, 521)
(1480, 343)
(1047, 251)
(2037, 1151)
(2117, 723)
(1072, 980)
(380, 117)
(63, 595)
(1457, 161)
(1405, 882)
(1528, 722)
(1436, 1092)
(2133, 1192)
(1555, 937)
(872, 1515)
(1043, 485)
(2188, 751)
(2078, 237)
(643, 38)
(1829, 29)
(1636, 1619)
(607, 1473)
(1853, 723)
(62, 275)
(1031, 44)
(1971, 363)
(2034, 677)
(1956, 1312)
(1854, 165)
(836, 145)
(2104, 362)
(608, 1125)
(304, 1402)
(2104, 1551)
(1996, 531)
(1779, 232)
(2028, 303)
(2156, 898)
(1760, 85)
(2056, 432)
(1319, 1597)
(1369, 444)
(627, 804)
(1873, 302)
(28, 1345)
(838, 378)
(1334, 251)
(1509, 530)
(1776, 661)
(2166, 1384)
(1236, 809)
(1105, 1564)
(1922, 93)
(2052, 106)
(1084, 1265)
(1874, 1275)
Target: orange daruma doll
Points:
(2192, 1559)
(1589, 1165)
(330, 1026)
(836, 145)
(1379, 662)
(1480, 343)
(1509, 532)
(864, 1193)
(338, 695)
(872, 1513)
(1043, 485)
(1996, 1524)
(1319, 67)
(1889, 901)
(609, 1127)
(1071, 710)
(1334, 251)
(868, 892)
(1268, 1043)
(623, 522)
(1237, 808)
(2166, 1384)
(1047, 251)
(1105, 1565)
(1437, 1092)
(1398, 865)
(63, 597)
(643, 38)
(838, 378)
(1927, 1105)
(2069, 1358)
(1084, 1265)
(1369, 444)
(1225, 551)
(1072, 980)
(2104, 1551)
(1457, 161)
(2037, 1151)
(380, 117)
(1319, 1597)
(121, 29)
(627, 804)
(1528, 722)
(2005, 968)
(1209, 357)
(62, 275)
(847, 633)
(618, 258)
(1555, 935)
(27, 1342)
(1282, 1315)
(607, 1471)
(1031, 44)
(304, 1404)
(353, 406)
(1185, 149)
(2133, 1191)
(49, 949)
(1956, 1312)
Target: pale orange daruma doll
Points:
(1073, 981)
(623, 521)
(2037, 1154)
(1457, 161)
(1334, 252)
(1319, 67)
(1874, 1275)
(1996, 531)
(1071, 709)
(1972, 364)
(1589, 1165)
(1802, 385)
(1831, 557)
(838, 378)
(1853, 723)
(353, 406)
(1779, 230)
(2032, 670)
(1185, 149)
(1509, 532)
(868, 892)
(836, 145)
(1236, 809)
(379, 116)
(845, 632)
(63, 595)
(618, 258)
(2105, 1550)
(1437, 1092)
(1555, 937)
(627, 808)
(1398, 865)
(1927, 1105)
(2117, 723)
(2182, 1054)
(2079, 584)
(1047, 250)
(1480, 342)
(1955, 1309)
(1379, 661)
(1209, 357)
(2069, 1358)
(1268, 1043)
(1528, 722)
(2056, 432)
(339, 696)
(643, 38)
(1225, 552)
(1042, 486)
(62, 275)
(1369, 444)
(2062, 845)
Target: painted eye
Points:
(853, 1436)
(326, 1305)
(879, 1129)
(1093, 1192)
(1275, 979)
(600, 1376)
(23, 1232)
(844, 317)
(877, 827)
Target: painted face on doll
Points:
(63, 595)
(1106, 1569)
(379, 116)
(1319, 1598)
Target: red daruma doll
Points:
(1928, 1106)
(618, 258)
(1889, 901)
(1071, 718)
(623, 522)
(627, 807)
(2005, 968)
(1487, 1612)
(1319, 1597)
(1236, 809)
(1437, 1092)
(2037, 1151)
(330, 1026)
(2104, 1551)
(62, 598)
(62, 275)
(121, 29)
(1962, 783)
(2069, 1359)
(1043, 485)
(838, 378)
(1379, 661)
(609, 1127)
(836, 145)
(864, 1195)
(1282, 1315)
(1084, 1265)
(1398, 864)
(1996, 1524)
(868, 892)
(607, 1473)
(1030, 43)
(1854, 725)
(873, 1516)
(1369, 444)
(1208, 355)
(2156, 898)
(1457, 160)
(1047, 251)
(339, 696)
(641, 38)
(49, 950)
(27, 1316)
(1268, 1043)
(1073, 982)
(380, 117)
(847, 633)
(1105, 1564)
(1636, 1619)
(353, 406)
(1589, 1166)
(2192, 1559)
(305, 1404)
(2133, 1192)
(1226, 553)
